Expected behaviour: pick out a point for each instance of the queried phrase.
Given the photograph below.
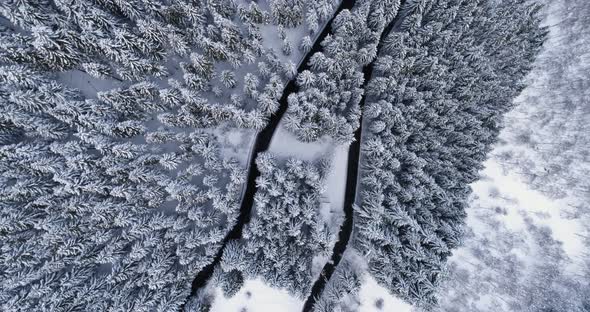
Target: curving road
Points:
(351, 186)
(261, 145)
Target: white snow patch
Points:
(285, 144)
(372, 296)
(270, 37)
(326, 210)
(86, 84)
(256, 296)
(234, 137)
(332, 206)
(543, 210)
(336, 180)
(317, 264)
(236, 143)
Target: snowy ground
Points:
(236, 143)
(511, 228)
(285, 144)
(255, 296)
(526, 202)
(336, 184)
(86, 84)
(375, 298)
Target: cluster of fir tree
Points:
(90, 221)
(434, 106)
(545, 142)
(286, 232)
(103, 208)
(330, 92)
(342, 290)
(208, 59)
(292, 13)
(98, 211)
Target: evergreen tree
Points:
(342, 290)
(329, 104)
(434, 105)
(286, 231)
(95, 215)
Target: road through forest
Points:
(261, 145)
(354, 152)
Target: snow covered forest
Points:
(295, 155)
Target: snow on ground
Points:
(543, 210)
(375, 298)
(503, 190)
(337, 179)
(285, 144)
(86, 84)
(270, 36)
(333, 198)
(236, 143)
(255, 296)
(295, 35)
(318, 263)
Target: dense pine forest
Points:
(433, 110)
(330, 155)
